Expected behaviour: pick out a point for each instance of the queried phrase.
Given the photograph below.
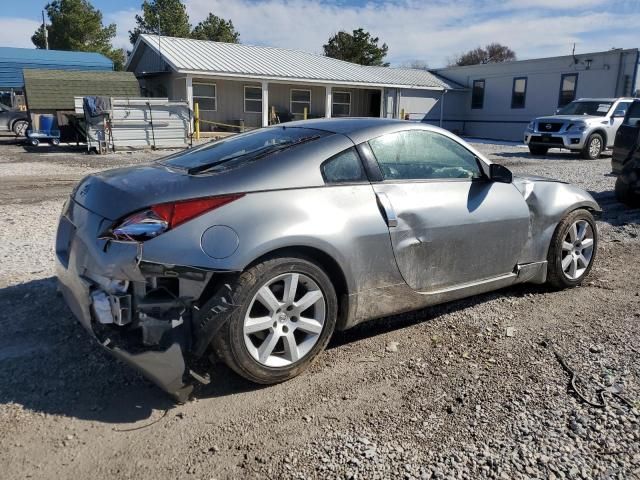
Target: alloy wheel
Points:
(595, 146)
(284, 320)
(577, 249)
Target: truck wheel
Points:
(34, 142)
(625, 194)
(594, 147)
(538, 150)
(288, 309)
(572, 250)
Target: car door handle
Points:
(387, 210)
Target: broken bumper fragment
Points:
(144, 314)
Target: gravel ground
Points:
(470, 389)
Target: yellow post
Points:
(304, 115)
(196, 120)
(402, 114)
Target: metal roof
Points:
(14, 60)
(270, 63)
(56, 89)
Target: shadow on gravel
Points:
(396, 322)
(616, 213)
(49, 363)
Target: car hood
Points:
(569, 118)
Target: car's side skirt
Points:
(398, 298)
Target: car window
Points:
(421, 154)
(598, 109)
(343, 167)
(633, 115)
(624, 106)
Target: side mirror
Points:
(619, 113)
(500, 173)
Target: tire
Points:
(34, 142)
(20, 127)
(574, 271)
(538, 150)
(625, 194)
(241, 351)
(55, 142)
(593, 147)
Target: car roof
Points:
(603, 99)
(363, 128)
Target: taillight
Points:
(157, 219)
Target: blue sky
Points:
(427, 30)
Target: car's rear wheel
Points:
(538, 150)
(572, 250)
(594, 147)
(287, 315)
(625, 194)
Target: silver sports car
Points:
(256, 248)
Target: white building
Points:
(235, 82)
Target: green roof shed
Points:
(55, 89)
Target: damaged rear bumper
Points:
(146, 315)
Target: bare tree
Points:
(416, 64)
(492, 53)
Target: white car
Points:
(587, 125)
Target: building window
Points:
(204, 94)
(519, 93)
(568, 85)
(299, 100)
(252, 99)
(477, 94)
(341, 104)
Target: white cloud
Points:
(17, 32)
(575, 5)
(125, 20)
(432, 32)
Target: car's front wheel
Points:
(288, 309)
(594, 147)
(572, 250)
(538, 150)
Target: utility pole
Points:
(46, 33)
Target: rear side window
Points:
(344, 167)
(633, 115)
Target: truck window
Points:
(633, 115)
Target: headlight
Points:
(153, 221)
(531, 125)
(577, 127)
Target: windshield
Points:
(232, 151)
(597, 109)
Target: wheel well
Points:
(15, 120)
(603, 134)
(326, 262)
